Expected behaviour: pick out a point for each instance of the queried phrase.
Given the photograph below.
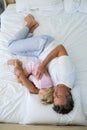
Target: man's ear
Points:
(67, 93)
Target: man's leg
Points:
(27, 19)
(19, 43)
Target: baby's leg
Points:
(29, 85)
(14, 62)
(18, 80)
(18, 71)
(26, 73)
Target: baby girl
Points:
(27, 77)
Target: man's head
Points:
(46, 95)
(63, 102)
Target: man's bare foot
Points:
(14, 62)
(34, 27)
(31, 23)
(28, 17)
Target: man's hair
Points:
(67, 107)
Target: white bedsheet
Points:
(17, 105)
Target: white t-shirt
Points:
(61, 69)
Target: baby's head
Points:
(46, 95)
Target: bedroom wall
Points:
(9, 1)
(1, 6)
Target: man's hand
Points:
(41, 70)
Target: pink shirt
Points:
(44, 82)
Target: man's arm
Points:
(57, 52)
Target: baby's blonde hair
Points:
(47, 97)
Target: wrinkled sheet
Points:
(17, 105)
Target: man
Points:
(62, 72)
(53, 56)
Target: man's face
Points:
(60, 94)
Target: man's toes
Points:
(34, 27)
(31, 16)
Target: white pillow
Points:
(71, 6)
(83, 6)
(37, 113)
(35, 4)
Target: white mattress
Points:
(17, 105)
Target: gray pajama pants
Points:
(24, 43)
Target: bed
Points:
(18, 108)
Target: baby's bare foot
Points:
(11, 62)
(14, 62)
